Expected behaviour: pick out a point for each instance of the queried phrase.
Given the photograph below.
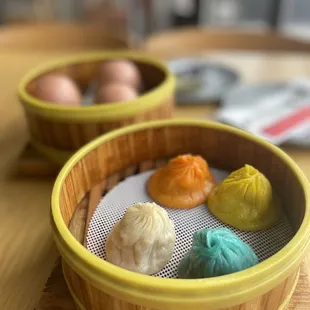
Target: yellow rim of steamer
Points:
(212, 293)
(283, 306)
(97, 112)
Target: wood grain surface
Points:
(27, 251)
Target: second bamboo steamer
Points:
(57, 131)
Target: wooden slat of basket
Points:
(94, 198)
(86, 208)
(147, 165)
(32, 164)
(79, 219)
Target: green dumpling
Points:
(216, 252)
(245, 200)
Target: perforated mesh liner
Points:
(133, 189)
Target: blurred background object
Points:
(143, 17)
(294, 18)
(61, 37)
(200, 81)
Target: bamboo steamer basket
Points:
(96, 284)
(57, 131)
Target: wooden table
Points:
(26, 247)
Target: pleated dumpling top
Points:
(245, 200)
(143, 240)
(185, 182)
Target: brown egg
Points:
(114, 93)
(120, 71)
(59, 89)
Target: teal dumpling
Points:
(216, 252)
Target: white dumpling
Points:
(143, 240)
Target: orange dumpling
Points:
(184, 183)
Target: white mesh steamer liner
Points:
(133, 189)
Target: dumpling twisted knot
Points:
(216, 252)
